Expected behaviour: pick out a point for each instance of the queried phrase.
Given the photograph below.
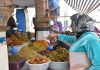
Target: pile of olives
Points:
(59, 55)
(28, 53)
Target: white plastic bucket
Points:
(43, 66)
(58, 65)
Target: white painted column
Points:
(3, 53)
(5, 13)
(42, 35)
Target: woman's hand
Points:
(52, 36)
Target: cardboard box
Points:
(78, 61)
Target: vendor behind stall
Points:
(11, 25)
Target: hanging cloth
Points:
(60, 26)
(20, 15)
(54, 7)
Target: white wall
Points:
(29, 16)
(31, 12)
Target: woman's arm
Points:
(53, 35)
(93, 52)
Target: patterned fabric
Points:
(82, 22)
(53, 4)
(85, 23)
(54, 7)
(74, 18)
(55, 11)
(60, 26)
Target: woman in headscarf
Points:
(65, 38)
(87, 40)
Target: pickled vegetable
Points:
(20, 40)
(23, 38)
(15, 41)
(39, 45)
(28, 53)
(61, 54)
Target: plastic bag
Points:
(78, 61)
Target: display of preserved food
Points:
(59, 55)
(23, 38)
(18, 40)
(28, 53)
(39, 60)
(39, 45)
(15, 40)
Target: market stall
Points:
(39, 54)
